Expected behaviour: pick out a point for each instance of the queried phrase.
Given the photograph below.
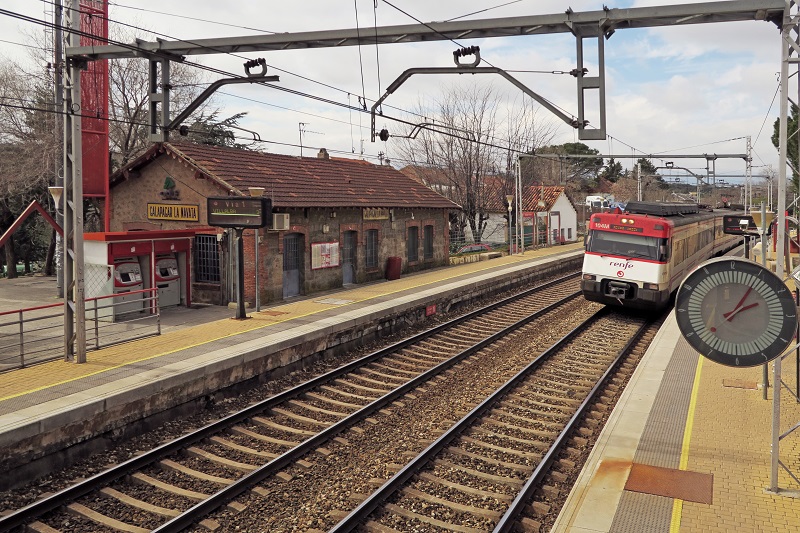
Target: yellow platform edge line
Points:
(272, 321)
(677, 505)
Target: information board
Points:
(324, 255)
(732, 225)
(238, 211)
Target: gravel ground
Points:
(57, 480)
(315, 498)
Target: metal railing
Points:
(36, 334)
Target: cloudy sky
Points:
(692, 89)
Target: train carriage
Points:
(637, 258)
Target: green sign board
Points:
(239, 211)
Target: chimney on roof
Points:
(323, 154)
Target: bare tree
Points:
(28, 149)
(463, 156)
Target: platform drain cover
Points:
(333, 301)
(273, 313)
(680, 484)
(739, 383)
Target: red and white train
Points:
(637, 258)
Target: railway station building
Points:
(334, 221)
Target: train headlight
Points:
(651, 286)
(589, 277)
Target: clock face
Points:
(736, 312)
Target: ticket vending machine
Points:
(168, 280)
(127, 278)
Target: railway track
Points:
(175, 485)
(482, 474)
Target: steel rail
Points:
(36, 509)
(508, 521)
(396, 482)
(217, 500)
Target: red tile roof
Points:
(547, 194)
(299, 181)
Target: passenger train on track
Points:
(637, 258)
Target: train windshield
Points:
(627, 245)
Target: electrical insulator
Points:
(383, 134)
(183, 130)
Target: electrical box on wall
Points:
(280, 221)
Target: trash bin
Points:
(393, 266)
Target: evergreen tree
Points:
(791, 146)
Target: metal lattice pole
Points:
(74, 303)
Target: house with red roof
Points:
(549, 216)
(334, 221)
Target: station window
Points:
(206, 259)
(372, 249)
(427, 243)
(412, 244)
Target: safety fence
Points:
(36, 334)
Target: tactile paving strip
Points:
(660, 445)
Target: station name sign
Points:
(238, 212)
(189, 213)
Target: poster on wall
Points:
(324, 255)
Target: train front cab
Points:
(627, 265)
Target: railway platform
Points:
(687, 449)
(52, 406)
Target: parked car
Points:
(474, 247)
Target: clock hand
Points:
(736, 311)
(728, 316)
(746, 294)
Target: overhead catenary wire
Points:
(461, 46)
(297, 92)
(269, 65)
(483, 10)
(281, 88)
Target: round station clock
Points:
(736, 312)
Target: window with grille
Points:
(412, 244)
(427, 243)
(206, 259)
(372, 249)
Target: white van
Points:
(597, 202)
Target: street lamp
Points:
(509, 200)
(56, 193)
(257, 192)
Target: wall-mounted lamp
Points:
(325, 228)
(333, 214)
(412, 215)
